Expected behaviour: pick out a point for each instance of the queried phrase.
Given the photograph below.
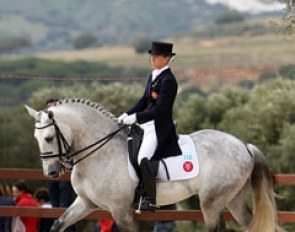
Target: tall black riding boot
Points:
(149, 185)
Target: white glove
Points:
(121, 117)
(129, 120)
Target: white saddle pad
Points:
(180, 167)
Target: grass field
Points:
(193, 54)
(239, 57)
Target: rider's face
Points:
(159, 61)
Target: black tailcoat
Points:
(156, 104)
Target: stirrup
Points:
(149, 207)
(139, 205)
(145, 205)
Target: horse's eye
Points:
(49, 139)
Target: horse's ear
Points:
(50, 114)
(32, 112)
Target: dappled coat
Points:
(156, 104)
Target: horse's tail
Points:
(265, 214)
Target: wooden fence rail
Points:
(36, 174)
(180, 215)
(163, 215)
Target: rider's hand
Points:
(121, 117)
(129, 120)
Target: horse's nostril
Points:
(53, 174)
(53, 170)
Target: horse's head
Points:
(54, 141)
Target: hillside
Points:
(207, 61)
(52, 24)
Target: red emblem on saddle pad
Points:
(188, 166)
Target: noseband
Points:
(67, 158)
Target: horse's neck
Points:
(90, 131)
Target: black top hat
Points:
(161, 48)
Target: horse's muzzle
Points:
(53, 170)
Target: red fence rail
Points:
(180, 215)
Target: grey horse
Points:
(101, 180)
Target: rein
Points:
(100, 142)
(61, 141)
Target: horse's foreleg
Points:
(79, 209)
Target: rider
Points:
(153, 112)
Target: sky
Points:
(250, 6)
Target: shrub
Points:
(229, 17)
(287, 72)
(141, 44)
(13, 44)
(86, 41)
(264, 76)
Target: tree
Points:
(287, 23)
(287, 71)
(266, 119)
(141, 44)
(191, 114)
(115, 97)
(231, 16)
(222, 101)
(86, 41)
(267, 75)
(14, 43)
(18, 147)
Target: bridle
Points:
(66, 158)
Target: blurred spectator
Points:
(23, 197)
(106, 226)
(42, 198)
(61, 193)
(5, 200)
(165, 226)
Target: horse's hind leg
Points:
(214, 220)
(213, 216)
(240, 210)
(213, 209)
(123, 218)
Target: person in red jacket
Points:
(23, 197)
(106, 225)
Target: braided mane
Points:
(94, 105)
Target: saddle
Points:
(172, 168)
(135, 134)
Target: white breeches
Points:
(149, 142)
